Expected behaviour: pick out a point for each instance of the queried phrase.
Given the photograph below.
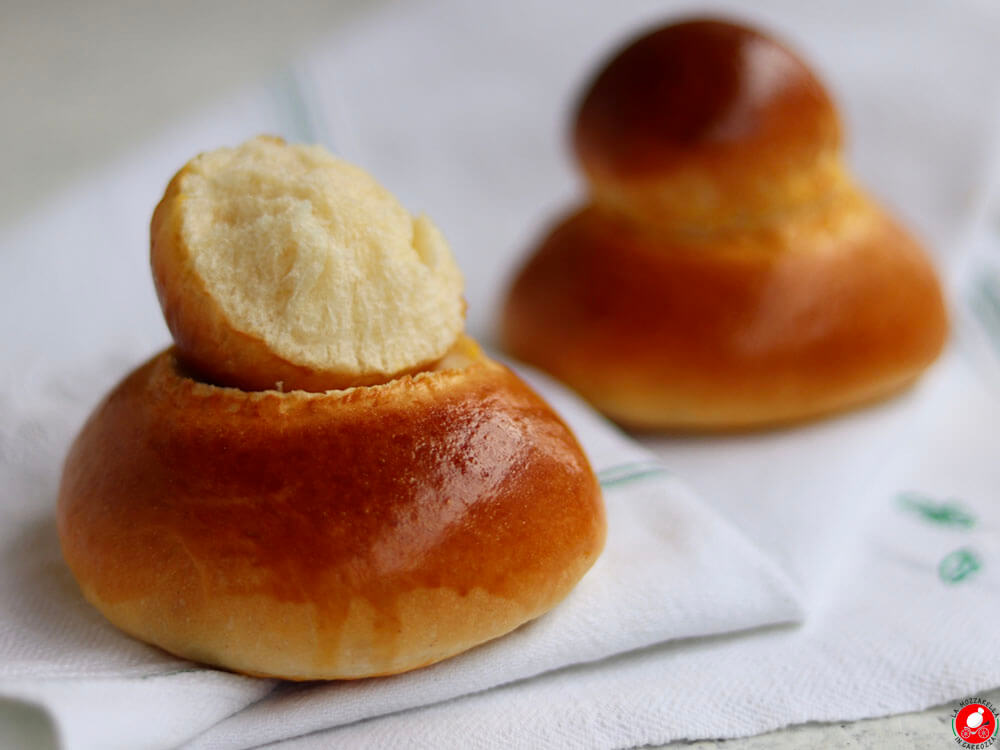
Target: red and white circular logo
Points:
(975, 724)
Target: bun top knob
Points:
(707, 121)
(281, 266)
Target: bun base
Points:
(731, 330)
(330, 535)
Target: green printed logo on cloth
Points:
(959, 565)
(963, 562)
(947, 513)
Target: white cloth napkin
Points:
(884, 520)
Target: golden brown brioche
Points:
(708, 123)
(327, 535)
(281, 266)
(318, 533)
(726, 273)
(664, 334)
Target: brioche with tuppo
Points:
(726, 271)
(428, 503)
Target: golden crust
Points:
(327, 535)
(746, 329)
(707, 121)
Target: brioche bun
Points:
(329, 535)
(325, 478)
(726, 272)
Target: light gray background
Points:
(82, 81)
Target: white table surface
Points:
(82, 82)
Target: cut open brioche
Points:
(282, 266)
(325, 478)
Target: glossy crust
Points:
(726, 272)
(327, 535)
(707, 121)
(758, 329)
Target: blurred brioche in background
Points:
(708, 125)
(726, 271)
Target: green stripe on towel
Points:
(615, 476)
